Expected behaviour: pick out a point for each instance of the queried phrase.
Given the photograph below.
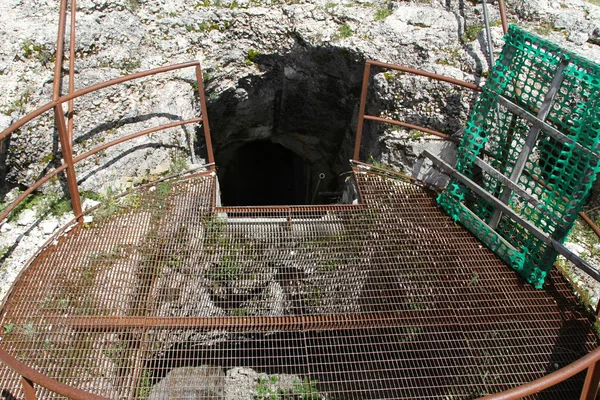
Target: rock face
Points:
(287, 72)
(190, 383)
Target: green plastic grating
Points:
(557, 174)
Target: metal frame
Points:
(65, 128)
(499, 204)
(532, 137)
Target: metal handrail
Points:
(81, 92)
(591, 361)
(363, 101)
(30, 376)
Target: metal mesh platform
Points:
(163, 296)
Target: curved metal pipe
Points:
(412, 126)
(45, 381)
(16, 125)
(82, 157)
(133, 136)
(549, 380)
(431, 75)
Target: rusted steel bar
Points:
(549, 380)
(361, 110)
(592, 379)
(412, 126)
(133, 136)
(238, 323)
(590, 223)
(209, 148)
(78, 159)
(63, 132)
(90, 89)
(283, 210)
(415, 71)
(30, 190)
(71, 109)
(45, 381)
(502, 7)
(63, 135)
(59, 50)
(28, 389)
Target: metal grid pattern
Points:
(535, 122)
(164, 296)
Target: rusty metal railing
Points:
(590, 362)
(30, 377)
(65, 133)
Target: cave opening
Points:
(265, 173)
(284, 133)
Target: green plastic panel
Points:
(558, 175)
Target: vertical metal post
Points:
(28, 389)
(60, 41)
(490, 45)
(592, 380)
(502, 7)
(59, 117)
(205, 125)
(72, 70)
(63, 135)
(361, 110)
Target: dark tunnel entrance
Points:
(265, 173)
(284, 133)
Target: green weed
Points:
(344, 31)
(9, 328)
(38, 52)
(252, 56)
(471, 33)
(145, 386)
(382, 14)
(544, 28)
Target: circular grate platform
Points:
(164, 296)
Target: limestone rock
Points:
(49, 226)
(27, 218)
(190, 383)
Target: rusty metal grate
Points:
(386, 299)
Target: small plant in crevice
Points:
(133, 4)
(545, 28)
(252, 56)
(474, 279)
(471, 33)
(344, 31)
(271, 389)
(381, 14)
(18, 105)
(39, 52)
(42, 204)
(379, 164)
(227, 270)
(215, 231)
(145, 385)
(9, 328)
(306, 389)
